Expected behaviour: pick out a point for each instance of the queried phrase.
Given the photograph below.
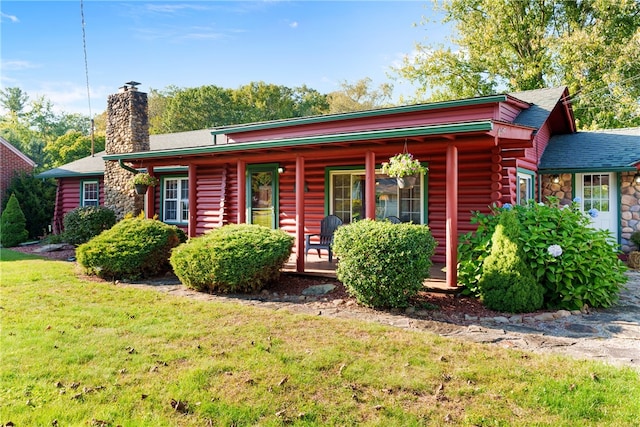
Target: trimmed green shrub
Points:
(37, 201)
(635, 239)
(134, 248)
(84, 223)
(233, 258)
(507, 283)
(576, 264)
(383, 264)
(13, 224)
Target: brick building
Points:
(12, 162)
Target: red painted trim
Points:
(193, 199)
(370, 184)
(452, 216)
(150, 206)
(300, 214)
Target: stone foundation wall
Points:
(127, 131)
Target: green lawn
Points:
(89, 353)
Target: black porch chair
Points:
(393, 219)
(328, 226)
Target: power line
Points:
(86, 73)
(86, 64)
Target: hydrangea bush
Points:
(576, 264)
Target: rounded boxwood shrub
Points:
(13, 224)
(233, 258)
(134, 248)
(383, 264)
(576, 264)
(84, 223)
(507, 283)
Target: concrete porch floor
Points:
(315, 266)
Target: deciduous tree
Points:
(592, 46)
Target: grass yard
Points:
(85, 353)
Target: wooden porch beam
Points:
(370, 184)
(150, 205)
(193, 200)
(300, 214)
(452, 216)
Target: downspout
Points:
(129, 168)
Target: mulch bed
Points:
(449, 306)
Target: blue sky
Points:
(195, 43)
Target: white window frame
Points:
(179, 200)
(84, 200)
(529, 178)
(412, 197)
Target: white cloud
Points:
(11, 18)
(294, 24)
(18, 65)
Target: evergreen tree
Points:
(507, 282)
(13, 224)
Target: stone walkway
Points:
(609, 335)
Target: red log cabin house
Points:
(291, 173)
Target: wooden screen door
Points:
(262, 190)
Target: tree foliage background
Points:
(591, 46)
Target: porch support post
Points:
(242, 192)
(370, 185)
(300, 214)
(150, 201)
(452, 216)
(193, 209)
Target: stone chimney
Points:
(127, 132)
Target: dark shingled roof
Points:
(543, 102)
(95, 165)
(611, 149)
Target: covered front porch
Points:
(315, 266)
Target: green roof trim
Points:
(480, 126)
(358, 114)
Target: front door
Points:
(599, 191)
(262, 189)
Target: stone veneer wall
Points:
(629, 203)
(629, 210)
(127, 131)
(562, 190)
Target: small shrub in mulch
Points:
(233, 258)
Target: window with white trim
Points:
(525, 188)
(347, 197)
(175, 200)
(90, 193)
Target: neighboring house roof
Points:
(610, 150)
(17, 152)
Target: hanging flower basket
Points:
(405, 168)
(142, 181)
(407, 181)
(141, 188)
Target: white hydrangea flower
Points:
(554, 250)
